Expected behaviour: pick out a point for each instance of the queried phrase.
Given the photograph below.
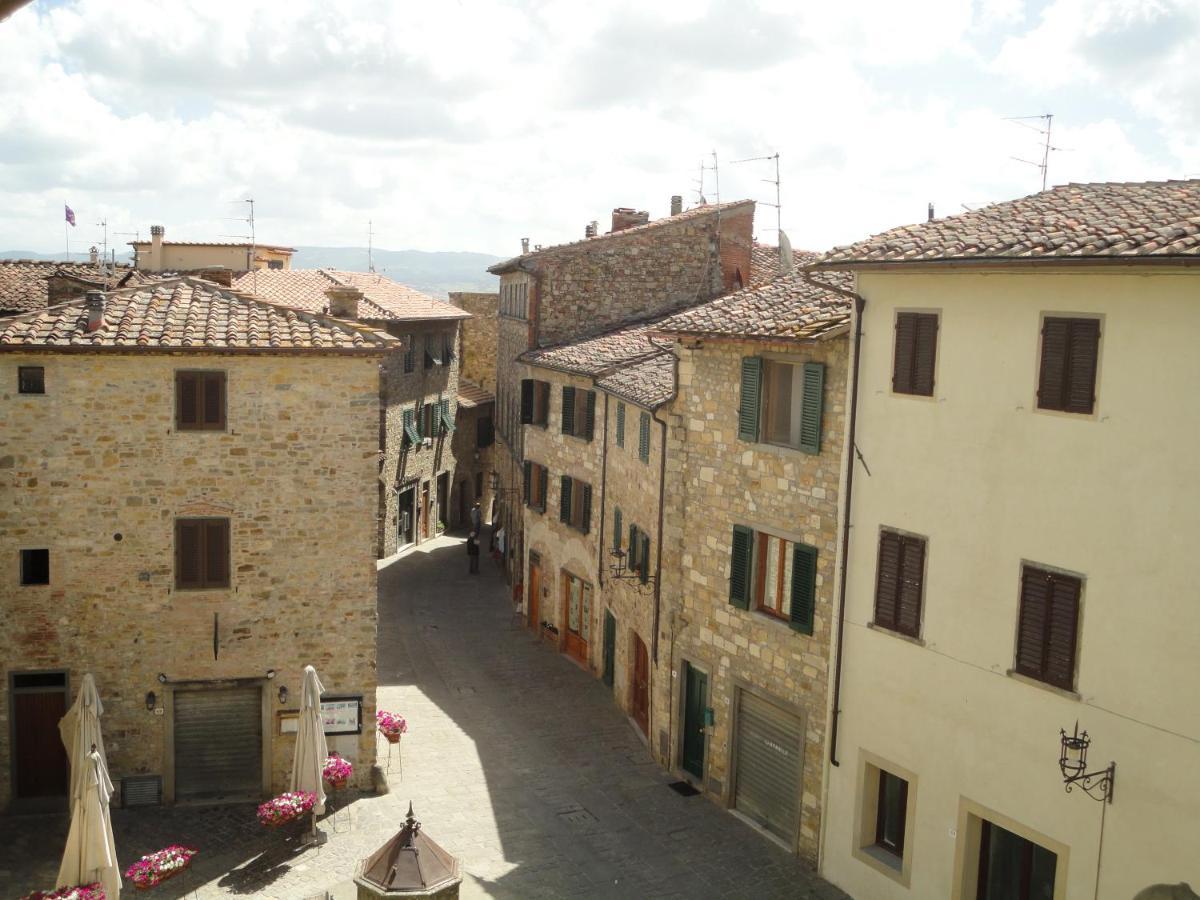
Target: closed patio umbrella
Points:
(311, 748)
(91, 854)
(80, 731)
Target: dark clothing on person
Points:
(473, 554)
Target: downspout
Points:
(662, 487)
(603, 486)
(860, 304)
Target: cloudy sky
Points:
(467, 124)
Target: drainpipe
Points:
(662, 487)
(603, 485)
(860, 304)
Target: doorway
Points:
(463, 503)
(695, 693)
(610, 647)
(424, 527)
(1012, 867)
(639, 690)
(406, 516)
(535, 588)
(577, 598)
(218, 739)
(443, 498)
(40, 766)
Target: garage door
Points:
(769, 763)
(218, 744)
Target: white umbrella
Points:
(311, 749)
(91, 854)
(80, 731)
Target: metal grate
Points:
(141, 790)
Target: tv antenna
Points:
(370, 247)
(249, 220)
(775, 181)
(1048, 121)
(716, 180)
(103, 223)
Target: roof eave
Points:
(976, 262)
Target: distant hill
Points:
(431, 273)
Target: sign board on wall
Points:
(342, 715)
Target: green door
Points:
(696, 684)
(610, 646)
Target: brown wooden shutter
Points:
(644, 437)
(526, 401)
(564, 500)
(739, 566)
(645, 557)
(216, 553)
(1062, 633)
(589, 425)
(620, 424)
(188, 553)
(214, 399)
(568, 410)
(1032, 622)
(804, 587)
(906, 349)
(187, 400)
(528, 482)
(887, 580)
(1082, 351)
(912, 574)
(617, 528)
(585, 515)
(1047, 627)
(1053, 372)
(925, 354)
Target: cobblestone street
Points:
(516, 761)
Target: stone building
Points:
(420, 397)
(559, 294)
(475, 429)
(189, 492)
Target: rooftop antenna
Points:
(137, 236)
(103, 223)
(370, 247)
(775, 181)
(249, 220)
(1048, 120)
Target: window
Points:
(514, 300)
(448, 347)
(575, 499)
(35, 567)
(778, 575)
(445, 421)
(900, 582)
(535, 402)
(1048, 626)
(644, 437)
(891, 813)
(433, 356)
(620, 424)
(616, 528)
(639, 553)
(1012, 867)
(536, 478)
(428, 419)
(1067, 377)
(411, 437)
(410, 354)
(485, 432)
(915, 354)
(781, 403)
(275, 264)
(478, 485)
(31, 379)
(578, 412)
(200, 401)
(201, 553)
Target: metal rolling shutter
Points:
(770, 746)
(218, 744)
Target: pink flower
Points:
(337, 769)
(390, 723)
(160, 865)
(286, 807)
(91, 891)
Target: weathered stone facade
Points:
(95, 471)
(473, 463)
(479, 337)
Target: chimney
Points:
(95, 310)
(623, 217)
(220, 274)
(930, 219)
(524, 246)
(343, 301)
(676, 205)
(94, 256)
(589, 230)
(156, 248)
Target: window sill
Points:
(203, 590)
(1044, 685)
(882, 861)
(919, 641)
(926, 397)
(781, 450)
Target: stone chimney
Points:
(589, 230)
(94, 256)
(343, 301)
(623, 217)
(220, 274)
(524, 246)
(155, 263)
(676, 205)
(930, 217)
(95, 310)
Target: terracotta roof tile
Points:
(215, 244)
(650, 382)
(23, 281)
(471, 395)
(1102, 221)
(598, 353)
(383, 299)
(184, 314)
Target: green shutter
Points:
(447, 422)
(528, 481)
(810, 412)
(568, 410)
(739, 566)
(644, 437)
(645, 571)
(410, 428)
(751, 396)
(589, 425)
(564, 499)
(620, 424)
(617, 528)
(633, 547)
(804, 587)
(586, 517)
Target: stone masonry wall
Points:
(479, 336)
(95, 471)
(470, 461)
(716, 481)
(513, 339)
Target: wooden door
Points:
(426, 528)
(640, 689)
(406, 529)
(577, 600)
(610, 647)
(535, 589)
(38, 702)
(695, 691)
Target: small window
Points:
(479, 484)
(639, 553)
(31, 379)
(200, 401)
(777, 575)
(578, 412)
(448, 348)
(410, 354)
(1047, 631)
(445, 423)
(644, 437)
(915, 353)
(620, 424)
(536, 478)
(575, 503)
(535, 402)
(1011, 866)
(411, 436)
(201, 553)
(485, 432)
(891, 812)
(275, 264)
(1067, 376)
(781, 403)
(900, 582)
(35, 567)
(428, 419)
(433, 351)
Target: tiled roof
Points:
(597, 354)
(471, 395)
(1103, 221)
(187, 314)
(650, 382)
(383, 299)
(697, 212)
(764, 262)
(215, 244)
(789, 308)
(23, 281)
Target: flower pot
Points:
(392, 737)
(338, 784)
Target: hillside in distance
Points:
(433, 273)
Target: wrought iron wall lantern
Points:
(497, 490)
(1072, 761)
(620, 570)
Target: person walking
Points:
(473, 553)
(476, 518)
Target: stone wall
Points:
(513, 339)
(420, 466)
(716, 481)
(473, 465)
(479, 337)
(94, 471)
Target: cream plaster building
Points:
(160, 255)
(1021, 517)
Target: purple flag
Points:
(70, 215)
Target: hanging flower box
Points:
(391, 726)
(287, 807)
(151, 871)
(91, 891)
(337, 771)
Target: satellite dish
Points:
(785, 253)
